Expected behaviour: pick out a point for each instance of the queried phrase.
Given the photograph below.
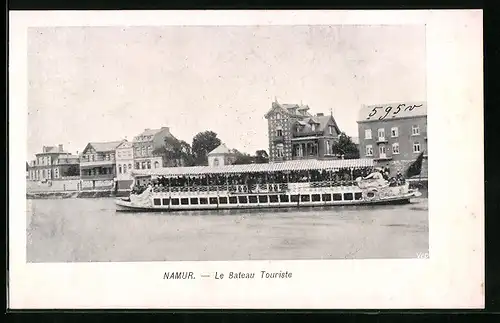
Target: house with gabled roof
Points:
(147, 143)
(295, 133)
(98, 164)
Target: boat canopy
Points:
(293, 165)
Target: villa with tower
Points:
(294, 133)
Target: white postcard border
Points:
(453, 277)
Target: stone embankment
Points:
(75, 194)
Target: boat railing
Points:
(254, 188)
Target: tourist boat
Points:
(287, 193)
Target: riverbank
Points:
(74, 194)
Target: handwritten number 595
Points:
(387, 110)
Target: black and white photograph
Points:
(229, 143)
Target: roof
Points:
(288, 108)
(125, 144)
(68, 156)
(220, 150)
(150, 132)
(307, 164)
(395, 110)
(105, 146)
(51, 150)
(321, 120)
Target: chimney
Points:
(44, 149)
(61, 148)
(320, 114)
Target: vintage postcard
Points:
(249, 159)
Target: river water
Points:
(83, 230)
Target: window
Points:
(369, 150)
(157, 164)
(222, 200)
(137, 165)
(294, 198)
(337, 197)
(381, 134)
(262, 198)
(165, 201)
(297, 128)
(416, 147)
(252, 199)
(327, 148)
(156, 201)
(394, 132)
(348, 196)
(119, 169)
(242, 199)
(213, 200)
(203, 200)
(327, 197)
(194, 201)
(143, 151)
(330, 130)
(279, 150)
(150, 150)
(278, 116)
(395, 148)
(358, 196)
(368, 134)
(316, 198)
(273, 199)
(175, 201)
(415, 130)
(284, 198)
(233, 200)
(216, 162)
(124, 168)
(129, 167)
(279, 132)
(381, 150)
(305, 198)
(143, 165)
(313, 127)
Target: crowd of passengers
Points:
(334, 178)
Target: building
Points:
(98, 164)
(53, 163)
(394, 134)
(294, 133)
(124, 155)
(145, 145)
(221, 156)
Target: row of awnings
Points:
(293, 165)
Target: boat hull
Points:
(127, 206)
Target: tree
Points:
(175, 152)
(345, 147)
(203, 143)
(261, 157)
(242, 158)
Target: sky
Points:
(94, 84)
